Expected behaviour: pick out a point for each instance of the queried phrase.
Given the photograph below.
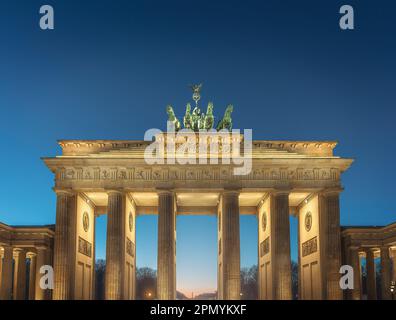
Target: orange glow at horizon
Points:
(193, 292)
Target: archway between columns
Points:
(196, 256)
(272, 208)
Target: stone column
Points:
(6, 274)
(280, 246)
(260, 290)
(19, 275)
(115, 252)
(231, 245)
(93, 296)
(32, 276)
(64, 241)
(299, 291)
(385, 274)
(1, 265)
(394, 265)
(354, 261)
(330, 236)
(42, 258)
(370, 270)
(166, 280)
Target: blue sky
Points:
(109, 68)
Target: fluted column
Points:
(231, 245)
(394, 265)
(93, 296)
(166, 260)
(115, 253)
(299, 291)
(63, 251)
(6, 274)
(1, 266)
(42, 259)
(371, 281)
(32, 276)
(19, 274)
(354, 261)
(330, 236)
(280, 246)
(385, 274)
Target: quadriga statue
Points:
(196, 120)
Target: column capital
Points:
(67, 192)
(280, 191)
(117, 191)
(31, 255)
(19, 250)
(15, 254)
(370, 250)
(165, 191)
(331, 191)
(41, 248)
(231, 191)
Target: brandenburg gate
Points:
(300, 178)
(169, 174)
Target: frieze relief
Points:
(264, 247)
(310, 246)
(188, 173)
(130, 247)
(84, 247)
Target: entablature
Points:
(27, 236)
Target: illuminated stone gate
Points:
(301, 178)
(369, 243)
(20, 280)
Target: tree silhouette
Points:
(294, 275)
(100, 270)
(249, 283)
(146, 283)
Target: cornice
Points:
(89, 147)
